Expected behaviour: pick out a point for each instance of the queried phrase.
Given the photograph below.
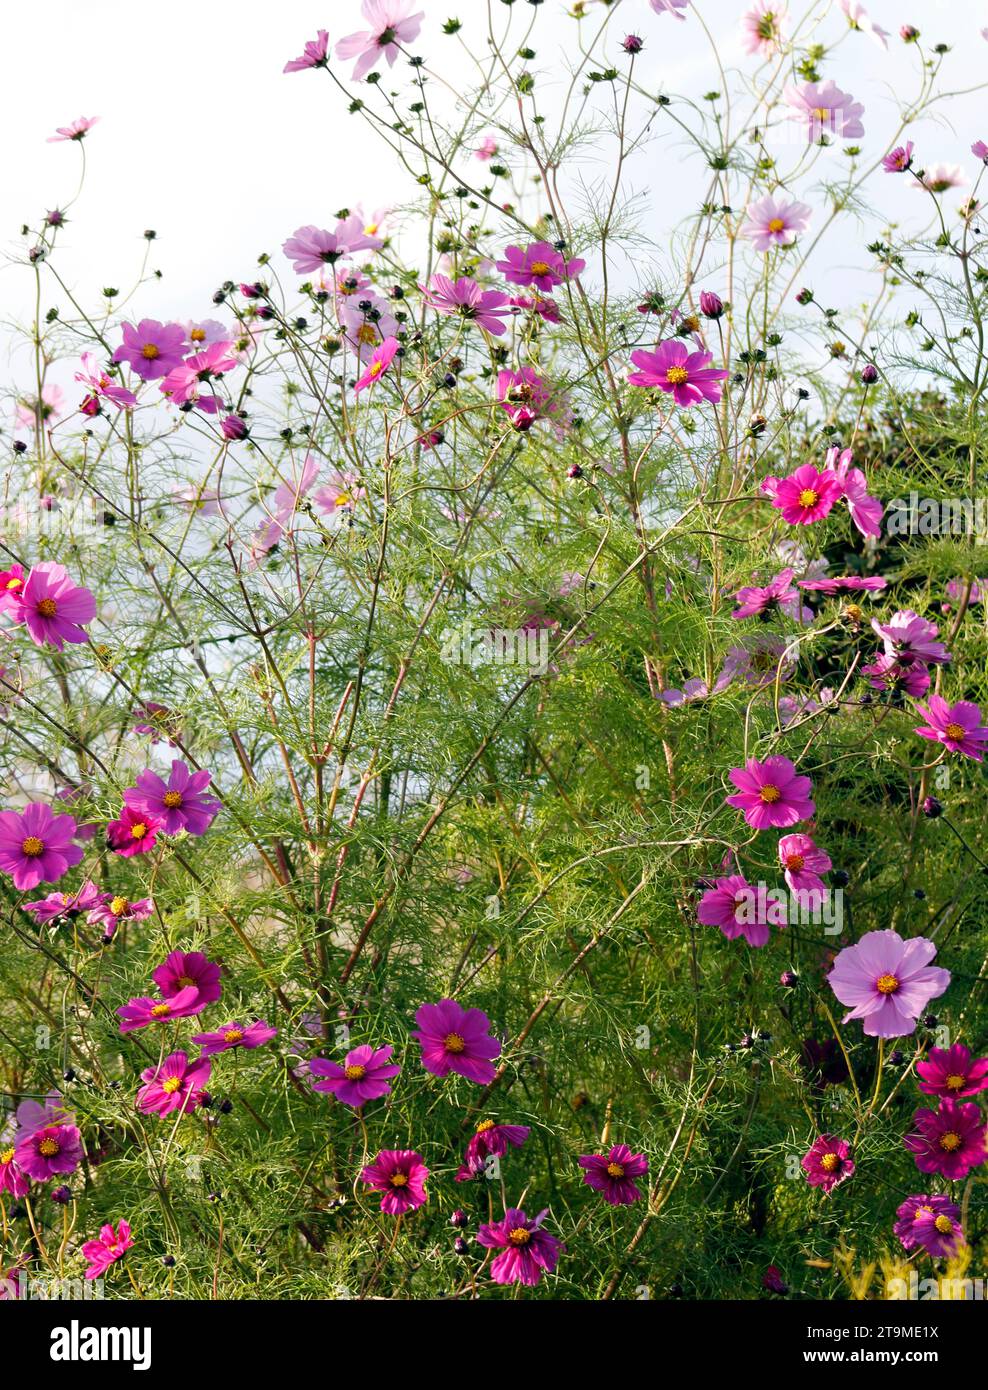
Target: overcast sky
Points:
(203, 138)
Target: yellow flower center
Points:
(886, 984)
(794, 861)
(954, 1082)
(808, 498)
(355, 1072)
(920, 1212)
(777, 225)
(453, 1043)
(233, 1035)
(184, 981)
(519, 1236)
(198, 335)
(769, 794)
(48, 1147)
(7, 1157)
(854, 612)
(171, 1085)
(367, 333)
(161, 1010)
(399, 1180)
(14, 583)
(539, 268)
(944, 1225)
(822, 113)
(830, 1163)
(615, 1170)
(119, 905)
(376, 368)
(138, 830)
(675, 376)
(955, 732)
(484, 1126)
(950, 1141)
(149, 352)
(172, 800)
(32, 847)
(371, 229)
(47, 608)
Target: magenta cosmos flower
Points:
(866, 512)
(687, 375)
(958, 727)
(949, 1140)
(805, 496)
(12, 1179)
(540, 265)
(753, 601)
(737, 909)
(489, 1140)
(363, 1075)
(525, 396)
(391, 24)
(178, 804)
(36, 845)
(528, 1251)
(773, 222)
(885, 673)
(908, 638)
(110, 1246)
(845, 582)
(400, 1174)
(828, 1162)
(176, 1085)
(50, 1150)
(139, 1013)
(464, 297)
(930, 1223)
(614, 1174)
(112, 908)
(763, 27)
(315, 54)
(900, 159)
(803, 862)
(182, 384)
(247, 1035)
(456, 1039)
(771, 793)
(78, 130)
(52, 607)
(101, 387)
(825, 110)
(380, 361)
(151, 349)
(133, 832)
(887, 982)
(952, 1072)
(180, 969)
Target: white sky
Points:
(202, 138)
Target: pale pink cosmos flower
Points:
(763, 27)
(359, 233)
(774, 222)
(34, 413)
(938, 178)
(858, 18)
(900, 159)
(309, 248)
(466, 299)
(487, 148)
(315, 54)
(391, 25)
(78, 130)
(366, 329)
(341, 494)
(286, 501)
(101, 387)
(887, 982)
(825, 110)
(202, 333)
(182, 384)
(670, 7)
(909, 638)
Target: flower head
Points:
(400, 1175)
(151, 349)
(78, 130)
(466, 299)
(231, 1035)
(12, 1178)
(686, 375)
(391, 25)
(828, 1162)
(180, 969)
(755, 601)
(364, 1074)
(805, 496)
(952, 1072)
(527, 1251)
(949, 1140)
(176, 1085)
(101, 386)
(825, 110)
(489, 1140)
(380, 361)
(110, 1246)
(36, 845)
(181, 803)
(900, 159)
(52, 607)
(458, 1040)
(315, 54)
(763, 27)
(771, 793)
(958, 727)
(539, 264)
(930, 1223)
(614, 1174)
(737, 908)
(773, 222)
(887, 982)
(803, 862)
(139, 1013)
(133, 832)
(183, 384)
(51, 1149)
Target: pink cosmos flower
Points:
(528, 1251)
(151, 349)
(958, 727)
(315, 54)
(156, 720)
(735, 907)
(525, 396)
(182, 969)
(803, 862)
(755, 601)
(487, 148)
(363, 1075)
(939, 178)
(202, 333)
(112, 909)
(133, 832)
(975, 590)
(52, 607)
(980, 151)
(900, 159)
(400, 1174)
(11, 584)
(771, 793)
(805, 496)
(12, 1179)
(33, 412)
(180, 803)
(101, 387)
(930, 1223)
(176, 1085)
(391, 25)
(885, 673)
(763, 27)
(489, 1140)
(309, 248)
(687, 375)
(139, 1013)
(246, 1035)
(379, 363)
(286, 501)
(546, 308)
(669, 7)
(365, 329)
(774, 222)
(952, 1072)
(866, 512)
(909, 638)
(33, 1114)
(36, 845)
(341, 493)
(357, 233)
(614, 1174)
(52, 1149)
(828, 1162)
(456, 1039)
(182, 384)
(837, 585)
(540, 265)
(949, 1140)
(825, 110)
(110, 1246)
(858, 18)
(464, 297)
(887, 982)
(78, 130)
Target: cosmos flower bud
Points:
(869, 374)
(233, 427)
(711, 305)
(932, 807)
(633, 44)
